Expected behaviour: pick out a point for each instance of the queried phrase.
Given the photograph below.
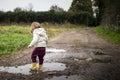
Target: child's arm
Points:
(34, 40)
(46, 38)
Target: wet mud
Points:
(73, 55)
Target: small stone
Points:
(98, 53)
(76, 59)
(89, 59)
(51, 73)
(16, 66)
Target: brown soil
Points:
(87, 55)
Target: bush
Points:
(83, 18)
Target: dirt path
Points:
(87, 57)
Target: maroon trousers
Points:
(40, 53)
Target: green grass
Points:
(13, 38)
(111, 36)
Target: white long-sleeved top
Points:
(39, 38)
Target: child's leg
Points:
(41, 56)
(41, 59)
(33, 58)
(40, 62)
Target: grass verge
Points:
(111, 36)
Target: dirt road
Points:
(72, 55)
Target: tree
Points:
(109, 12)
(30, 7)
(2, 16)
(55, 8)
(79, 6)
(18, 9)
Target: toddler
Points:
(39, 42)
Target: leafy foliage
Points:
(109, 13)
(79, 6)
(48, 16)
(83, 18)
(55, 8)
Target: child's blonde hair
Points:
(34, 25)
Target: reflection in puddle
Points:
(73, 77)
(24, 69)
(53, 50)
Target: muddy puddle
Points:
(24, 69)
(72, 77)
(54, 50)
(88, 56)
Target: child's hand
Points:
(29, 46)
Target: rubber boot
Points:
(33, 66)
(40, 68)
